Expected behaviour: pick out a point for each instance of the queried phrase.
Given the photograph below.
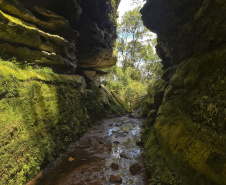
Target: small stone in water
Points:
(139, 143)
(83, 146)
(114, 166)
(135, 168)
(123, 156)
(115, 178)
(116, 142)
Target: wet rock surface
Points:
(123, 155)
(114, 166)
(114, 178)
(135, 168)
(97, 157)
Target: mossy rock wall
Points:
(190, 123)
(185, 136)
(40, 115)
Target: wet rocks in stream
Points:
(116, 142)
(135, 168)
(83, 146)
(115, 166)
(101, 142)
(116, 178)
(109, 154)
(123, 155)
(139, 143)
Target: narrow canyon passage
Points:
(109, 153)
(64, 64)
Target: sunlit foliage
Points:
(138, 65)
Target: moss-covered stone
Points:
(186, 142)
(41, 113)
(190, 124)
(100, 106)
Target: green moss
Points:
(187, 136)
(97, 109)
(148, 105)
(117, 106)
(93, 104)
(41, 113)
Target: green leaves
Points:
(127, 83)
(139, 65)
(131, 32)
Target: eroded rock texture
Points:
(97, 34)
(65, 35)
(41, 111)
(188, 135)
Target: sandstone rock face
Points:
(22, 35)
(64, 35)
(185, 27)
(97, 34)
(69, 9)
(189, 129)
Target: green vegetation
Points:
(31, 67)
(95, 106)
(188, 124)
(138, 67)
(41, 114)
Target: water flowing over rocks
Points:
(100, 163)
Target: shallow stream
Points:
(115, 140)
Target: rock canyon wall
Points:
(41, 110)
(186, 133)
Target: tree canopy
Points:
(138, 65)
(131, 33)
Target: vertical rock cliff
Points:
(43, 110)
(186, 141)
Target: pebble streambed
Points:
(89, 163)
